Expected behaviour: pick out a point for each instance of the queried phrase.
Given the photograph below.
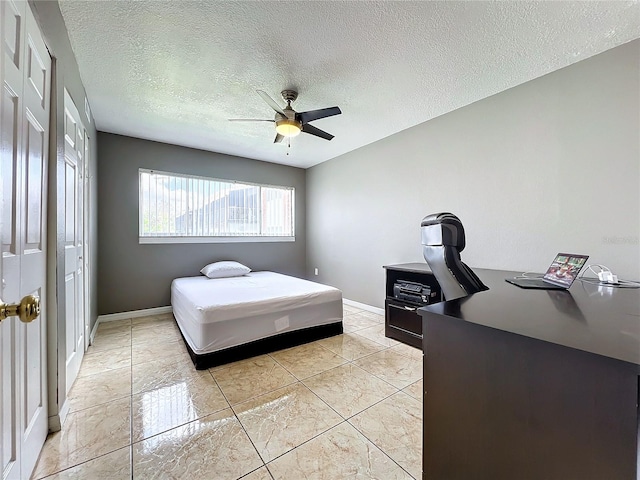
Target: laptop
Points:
(560, 275)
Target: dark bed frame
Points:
(264, 345)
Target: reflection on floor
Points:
(344, 407)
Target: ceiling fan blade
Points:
(278, 138)
(306, 128)
(312, 115)
(271, 102)
(249, 120)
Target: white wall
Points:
(551, 165)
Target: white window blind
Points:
(175, 207)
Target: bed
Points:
(228, 319)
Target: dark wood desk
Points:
(532, 384)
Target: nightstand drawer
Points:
(403, 316)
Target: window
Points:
(183, 208)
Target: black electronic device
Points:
(413, 292)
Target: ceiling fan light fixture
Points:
(288, 128)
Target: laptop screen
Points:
(564, 269)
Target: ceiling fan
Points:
(290, 123)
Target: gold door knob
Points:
(27, 310)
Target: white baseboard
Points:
(94, 330)
(134, 314)
(364, 306)
(56, 421)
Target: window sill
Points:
(173, 240)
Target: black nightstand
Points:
(401, 321)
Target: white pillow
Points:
(225, 269)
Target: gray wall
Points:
(551, 165)
(134, 276)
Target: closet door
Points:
(74, 136)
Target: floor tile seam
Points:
(381, 449)
(134, 443)
(113, 329)
(386, 381)
(371, 339)
(120, 338)
(71, 410)
(322, 432)
(269, 471)
(295, 380)
(279, 388)
(358, 328)
(305, 442)
(342, 420)
(289, 385)
(346, 360)
(372, 405)
(255, 470)
(97, 347)
(412, 383)
(408, 355)
(94, 353)
(78, 464)
(220, 388)
(103, 366)
(173, 427)
(164, 324)
(147, 389)
(329, 350)
(248, 436)
(320, 373)
(152, 341)
(100, 340)
(314, 374)
(153, 360)
(131, 462)
(109, 330)
(95, 373)
(390, 348)
(372, 353)
(80, 375)
(322, 400)
(88, 460)
(406, 393)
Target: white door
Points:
(24, 112)
(74, 238)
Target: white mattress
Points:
(218, 313)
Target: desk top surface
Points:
(600, 320)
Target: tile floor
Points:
(343, 407)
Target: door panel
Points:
(34, 178)
(34, 364)
(13, 24)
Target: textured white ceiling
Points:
(175, 71)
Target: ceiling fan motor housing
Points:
(289, 95)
